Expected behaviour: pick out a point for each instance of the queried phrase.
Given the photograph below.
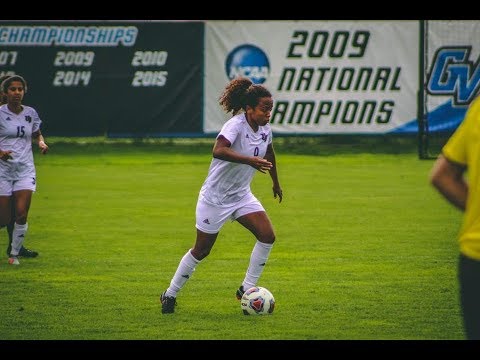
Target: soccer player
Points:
(462, 189)
(19, 125)
(243, 146)
(23, 251)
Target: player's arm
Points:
(447, 177)
(222, 150)
(270, 156)
(37, 135)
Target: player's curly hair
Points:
(241, 92)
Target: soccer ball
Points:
(257, 301)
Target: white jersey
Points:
(16, 136)
(228, 182)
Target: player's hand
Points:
(5, 155)
(43, 147)
(261, 164)
(277, 191)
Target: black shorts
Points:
(469, 281)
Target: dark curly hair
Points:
(6, 82)
(241, 92)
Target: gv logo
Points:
(452, 73)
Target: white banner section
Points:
(326, 77)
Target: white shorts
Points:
(210, 218)
(7, 187)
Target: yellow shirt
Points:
(464, 147)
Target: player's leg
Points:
(261, 227)
(5, 204)
(185, 269)
(10, 226)
(209, 221)
(23, 190)
(5, 210)
(190, 260)
(22, 200)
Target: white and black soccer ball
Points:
(257, 301)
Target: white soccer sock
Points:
(19, 232)
(184, 271)
(258, 259)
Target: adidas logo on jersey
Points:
(206, 221)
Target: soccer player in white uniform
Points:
(23, 250)
(19, 124)
(243, 146)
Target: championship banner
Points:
(327, 77)
(120, 79)
(452, 74)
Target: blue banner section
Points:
(445, 118)
(120, 79)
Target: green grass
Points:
(365, 249)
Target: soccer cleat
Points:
(239, 293)
(24, 252)
(168, 303)
(13, 260)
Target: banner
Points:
(452, 76)
(132, 79)
(327, 77)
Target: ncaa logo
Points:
(248, 61)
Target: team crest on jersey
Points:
(264, 136)
(28, 118)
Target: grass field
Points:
(365, 250)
